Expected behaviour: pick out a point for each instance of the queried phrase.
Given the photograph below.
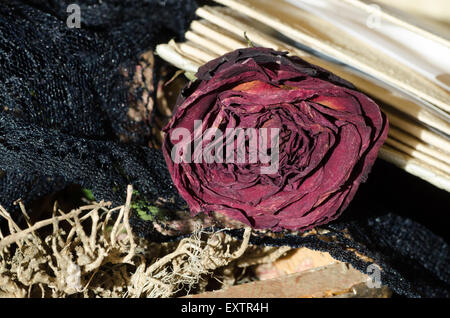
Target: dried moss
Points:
(90, 253)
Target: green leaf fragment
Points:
(147, 212)
(88, 194)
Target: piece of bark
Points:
(295, 261)
(335, 280)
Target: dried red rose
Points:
(329, 137)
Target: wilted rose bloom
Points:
(329, 137)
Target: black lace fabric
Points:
(65, 100)
(65, 96)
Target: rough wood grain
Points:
(335, 280)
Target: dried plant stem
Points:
(15, 237)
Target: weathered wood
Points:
(335, 280)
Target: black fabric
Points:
(64, 98)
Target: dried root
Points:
(90, 253)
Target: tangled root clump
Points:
(88, 253)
